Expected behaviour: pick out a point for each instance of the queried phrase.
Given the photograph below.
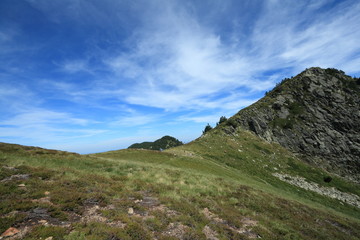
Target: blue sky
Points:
(96, 75)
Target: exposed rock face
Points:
(315, 114)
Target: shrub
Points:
(296, 108)
(207, 128)
(221, 120)
(136, 231)
(75, 236)
(327, 179)
(231, 122)
(287, 123)
(333, 71)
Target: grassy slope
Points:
(229, 175)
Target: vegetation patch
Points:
(215, 186)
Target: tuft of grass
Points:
(43, 232)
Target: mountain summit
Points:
(314, 114)
(163, 143)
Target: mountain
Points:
(230, 183)
(315, 114)
(160, 144)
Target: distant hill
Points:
(315, 114)
(160, 144)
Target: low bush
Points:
(327, 179)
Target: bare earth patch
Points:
(246, 228)
(176, 230)
(209, 233)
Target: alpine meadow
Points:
(179, 120)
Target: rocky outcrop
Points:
(331, 192)
(316, 115)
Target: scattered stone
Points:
(16, 177)
(41, 216)
(117, 224)
(9, 168)
(209, 233)
(164, 209)
(331, 192)
(11, 214)
(245, 229)
(10, 232)
(47, 193)
(176, 230)
(43, 222)
(21, 185)
(91, 215)
(213, 217)
(130, 211)
(45, 200)
(247, 222)
(49, 238)
(149, 202)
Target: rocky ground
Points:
(315, 114)
(144, 208)
(331, 192)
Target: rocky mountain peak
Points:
(315, 114)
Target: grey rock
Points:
(331, 192)
(16, 177)
(316, 115)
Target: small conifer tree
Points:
(207, 128)
(222, 119)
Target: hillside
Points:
(217, 187)
(160, 144)
(227, 184)
(314, 114)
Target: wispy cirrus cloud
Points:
(74, 66)
(43, 126)
(310, 36)
(181, 63)
(92, 69)
(40, 116)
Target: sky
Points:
(96, 75)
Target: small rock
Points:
(11, 214)
(137, 201)
(16, 177)
(209, 233)
(9, 168)
(21, 185)
(43, 222)
(47, 193)
(131, 211)
(49, 238)
(10, 232)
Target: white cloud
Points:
(45, 126)
(134, 119)
(167, 55)
(74, 66)
(177, 63)
(297, 36)
(174, 61)
(41, 116)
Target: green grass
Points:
(229, 175)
